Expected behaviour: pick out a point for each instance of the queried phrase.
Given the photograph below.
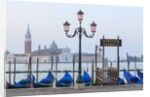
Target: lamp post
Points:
(79, 31)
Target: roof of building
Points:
(52, 50)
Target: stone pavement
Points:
(68, 90)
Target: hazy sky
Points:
(46, 24)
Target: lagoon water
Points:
(62, 67)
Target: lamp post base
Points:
(79, 80)
(79, 86)
(79, 83)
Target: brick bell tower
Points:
(28, 41)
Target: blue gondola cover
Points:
(24, 83)
(132, 79)
(46, 82)
(120, 81)
(86, 78)
(66, 80)
(140, 74)
(48, 79)
(28, 80)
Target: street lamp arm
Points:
(88, 36)
(71, 36)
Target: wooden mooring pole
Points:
(111, 64)
(73, 68)
(106, 66)
(92, 72)
(128, 67)
(135, 66)
(10, 72)
(52, 64)
(103, 63)
(118, 62)
(96, 49)
(56, 67)
(14, 70)
(30, 71)
(87, 67)
(37, 70)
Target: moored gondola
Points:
(66, 81)
(140, 74)
(86, 79)
(120, 81)
(132, 79)
(24, 83)
(46, 82)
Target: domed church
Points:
(47, 54)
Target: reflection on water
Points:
(61, 67)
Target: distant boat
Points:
(46, 82)
(132, 79)
(140, 74)
(24, 83)
(65, 81)
(86, 79)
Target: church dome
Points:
(53, 46)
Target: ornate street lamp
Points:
(66, 26)
(79, 31)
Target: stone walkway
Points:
(68, 90)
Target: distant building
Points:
(47, 53)
(133, 58)
(87, 57)
(28, 41)
(44, 55)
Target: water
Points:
(62, 67)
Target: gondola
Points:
(24, 83)
(46, 82)
(140, 74)
(86, 79)
(132, 79)
(120, 81)
(65, 81)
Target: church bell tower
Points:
(28, 41)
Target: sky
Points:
(46, 25)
